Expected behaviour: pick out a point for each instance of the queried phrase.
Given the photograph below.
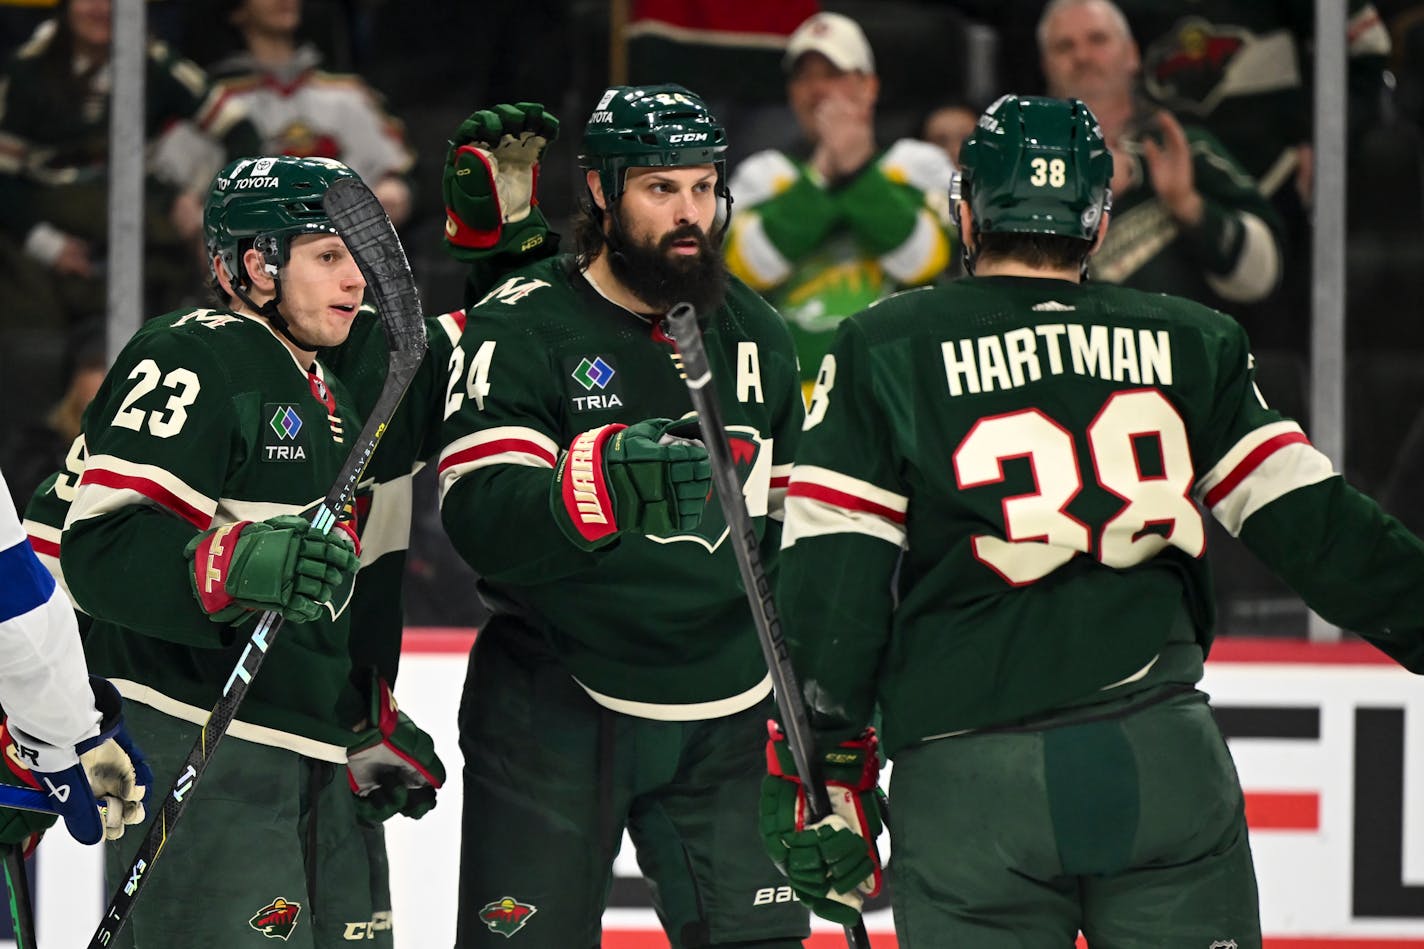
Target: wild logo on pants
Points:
(277, 919)
(507, 916)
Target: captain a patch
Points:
(284, 433)
(592, 382)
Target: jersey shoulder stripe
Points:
(1266, 464)
(820, 501)
(502, 445)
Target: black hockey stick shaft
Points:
(703, 390)
(368, 234)
(22, 907)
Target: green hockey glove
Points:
(491, 181)
(649, 478)
(392, 766)
(282, 564)
(833, 864)
(17, 827)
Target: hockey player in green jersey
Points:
(994, 531)
(214, 432)
(619, 683)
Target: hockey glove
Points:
(649, 478)
(392, 766)
(19, 827)
(491, 179)
(833, 864)
(104, 767)
(281, 564)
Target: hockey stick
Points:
(22, 907)
(26, 799)
(373, 243)
(703, 389)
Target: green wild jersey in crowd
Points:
(1147, 249)
(1242, 69)
(997, 513)
(820, 252)
(653, 626)
(207, 419)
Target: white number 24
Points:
(1040, 534)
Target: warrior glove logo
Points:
(506, 916)
(277, 919)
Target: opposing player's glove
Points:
(19, 827)
(282, 563)
(106, 767)
(649, 478)
(491, 179)
(833, 864)
(392, 766)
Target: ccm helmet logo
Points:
(687, 137)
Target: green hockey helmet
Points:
(267, 201)
(1035, 165)
(664, 126)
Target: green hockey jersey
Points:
(1242, 69)
(997, 507)
(1233, 255)
(385, 496)
(383, 503)
(821, 251)
(207, 419)
(657, 627)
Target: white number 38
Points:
(1048, 171)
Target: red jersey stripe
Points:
(150, 489)
(47, 547)
(497, 447)
(1251, 462)
(818, 492)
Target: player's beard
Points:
(661, 279)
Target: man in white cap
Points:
(828, 231)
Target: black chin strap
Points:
(274, 315)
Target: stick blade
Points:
(373, 242)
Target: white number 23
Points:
(167, 421)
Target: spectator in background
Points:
(1187, 219)
(299, 109)
(1242, 72)
(830, 230)
(54, 152)
(948, 126)
(39, 448)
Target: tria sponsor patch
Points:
(277, 920)
(596, 384)
(283, 437)
(506, 915)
